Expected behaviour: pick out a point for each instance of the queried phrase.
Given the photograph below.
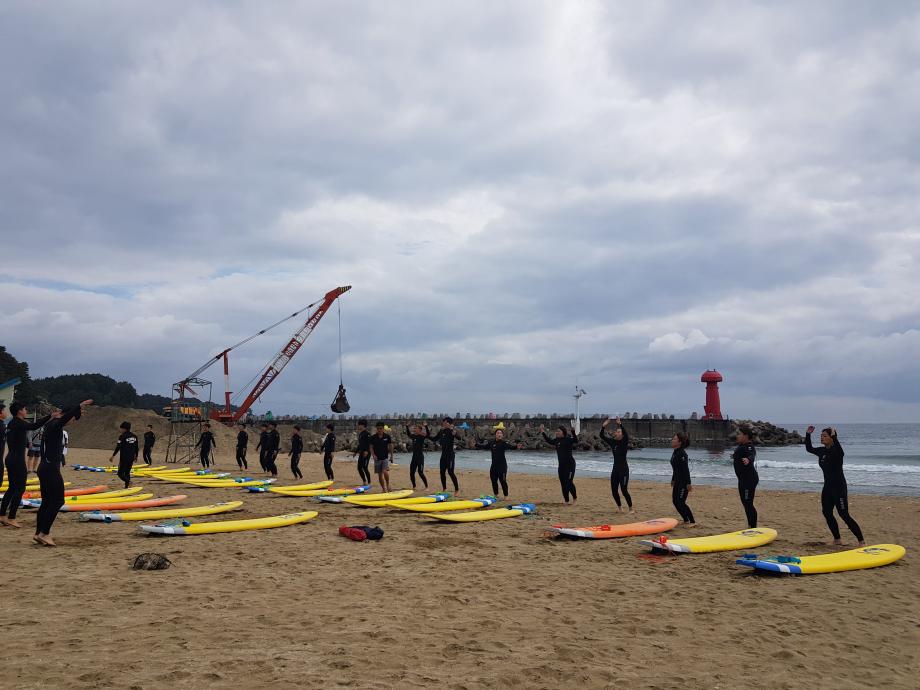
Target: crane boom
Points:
(276, 366)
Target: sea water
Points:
(880, 459)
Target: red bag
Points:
(352, 533)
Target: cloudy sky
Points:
(521, 194)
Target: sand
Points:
(488, 605)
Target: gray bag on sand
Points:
(151, 561)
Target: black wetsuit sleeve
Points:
(37, 424)
(606, 438)
(117, 448)
(550, 441)
(199, 441)
(838, 448)
(810, 448)
(625, 435)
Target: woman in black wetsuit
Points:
(834, 493)
(17, 440)
(446, 438)
(417, 435)
(619, 475)
(498, 470)
(49, 471)
(564, 443)
(680, 477)
(745, 470)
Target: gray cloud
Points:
(521, 194)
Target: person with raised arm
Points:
(619, 474)
(564, 443)
(834, 494)
(417, 434)
(446, 438)
(498, 470)
(17, 441)
(49, 471)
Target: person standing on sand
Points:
(743, 461)
(834, 493)
(498, 470)
(446, 438)
(242, 443)
(296, 450)
(263, 447)
(680, 477)
(206, 442)
(363, 452)
(17, 440)
(149, 440)
(382, 451)
(564, 443)
(417, 435)
(274, 447)
(35, 451)
(2, 436)
(329, 451)
(126, 449)
(619, 475)
(49, 471)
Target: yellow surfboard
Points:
(231, 525)
(445, 506)
(165, 514)
(112, 499)
(223, 483)
(855, 559)
(732, 541)
(360, 499)
(483, 515)
(107, 494)
(284, 491)
(417, 500)
(308, 487)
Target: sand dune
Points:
(489, 605)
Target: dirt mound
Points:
(98, 428)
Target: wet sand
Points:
(483, 605)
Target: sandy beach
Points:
(487, 605)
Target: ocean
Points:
(880, 459)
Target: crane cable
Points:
(339, 305)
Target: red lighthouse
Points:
(713, 408)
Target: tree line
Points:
(70, 389)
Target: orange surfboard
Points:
(633, 529)
(127, 505)
(71, 492)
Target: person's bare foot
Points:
(11, 523)
(693, 525)
(632, 511)
(861, 543)
(838, 542)
(44, 540)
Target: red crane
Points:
(275, 367)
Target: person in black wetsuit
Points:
(296, 450)
(127, 450)
(329, 451)
(834, 493)
(49, 471)
(206, 442)
(417, 435)
(564, 443)
(680, 477)
(242, 444)
(743, 460)
(262, 446)
(274, 445)
(446, 438)
(382, 450)
(149, 439)
(17, 441)
(498, 470)
(2, 437)
(619, 475)
(363, 452)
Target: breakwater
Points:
(526, 430)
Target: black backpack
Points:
(373, 533)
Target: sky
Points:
(522, 194)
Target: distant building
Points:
(8, 390)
